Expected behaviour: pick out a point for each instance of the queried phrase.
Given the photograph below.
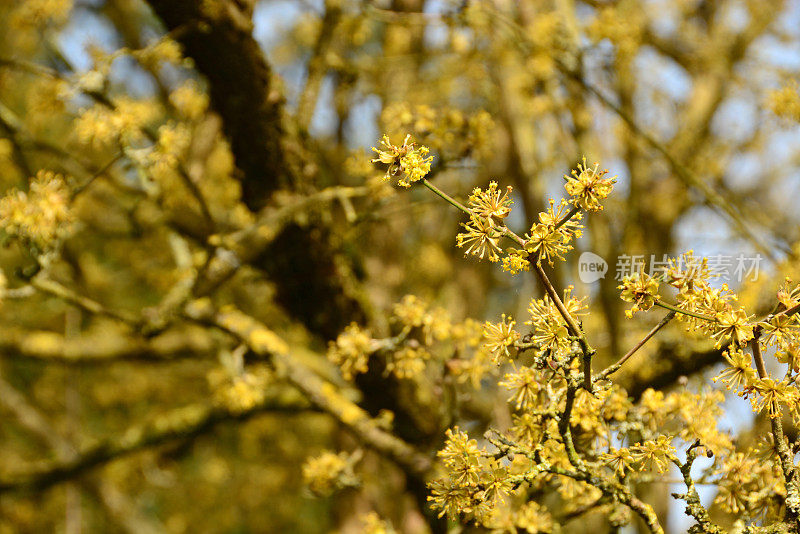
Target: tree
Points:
(222, 313)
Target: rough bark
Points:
(217, 35)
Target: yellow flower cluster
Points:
(588, 186)
(410, 162)
(526, 384)
(551, 237)
(172, 144)
(622, 24)
(448, 131)
(705, 308)
(243, 392)
(351, 351)
(373, 524)
(329, 472)
(550, 331)
(482, 233)
(712, 309)
(533, 518)
(516, 262)
(785, 102)
(639, 288)
(492, 203)
(162, 51)
(189, 100)
(747, 485)
(425, 334)
(476, 483)
(480, 238)
(578, 431)
(500, 338)
(407, 362)
(100, 126)
(651, 455)
(41, 217)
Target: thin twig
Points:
(51, 287)
(785, 457)
(615, 367)
(668, 306)
(447, 197)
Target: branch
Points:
(217, 34)
(51, 287)
(785, 456)
(53, 348)
(245, 246)
(572, 326)
(307, 102)
(115, 502)
(188, 422)
(322, 394)
(693, 505)
(675, 309)
(615, 367)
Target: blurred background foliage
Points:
(178, 125)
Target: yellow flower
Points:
(461, 456)
(373, 524)
(329, 472)
(739, 373)
(789, 355)
(771, 394)
(548, 242)
(407, 362)
(189, 100)
(785, 102)
(411, 311)
(243, 392)
(491, 203)
(732, 324)
(654, 453)
(641, 289)
(789, 294)
(412, 162)
(164, 50)
(588, 186)
(41, 216)
(499, 337)
(481, 239)
(742, 477)
(533, 518)
(687, 273)
(516, 261)
(620, 460)
(351, 351)
(449, 498)
(525, 384)
(550, 331)
(779, 331)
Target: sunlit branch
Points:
(319, 392)
(668, 306)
